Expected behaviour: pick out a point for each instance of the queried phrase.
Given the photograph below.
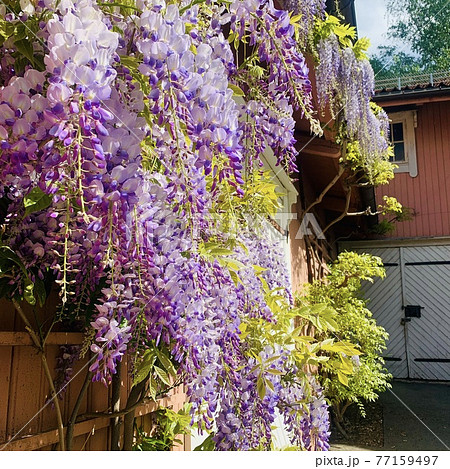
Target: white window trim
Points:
(409, 121)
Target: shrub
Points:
(354, 323)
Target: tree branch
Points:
(40, 344)
(323, 193)
(115, 401)
(342, 215)
(367, 211)
(120, 413)
(76, 408)
(134, 397)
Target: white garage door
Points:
(413, 304)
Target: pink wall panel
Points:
(429, 192)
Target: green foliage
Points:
(29, 288)
(309, 349)
(207, 445)
(382, 228)
(390, 205)
(379, 172)
(169, 425)
(21, 38)
(332, 24)
(345, 33)
(387, 225)
(389, 62)
(354, 324)
(157, 367)
(232, 212)
(36, 200)
(425, 24)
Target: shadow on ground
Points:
(429, 428)
(415, 415)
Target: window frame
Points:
(409, 121)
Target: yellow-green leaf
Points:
(342, 378)
(236, 90)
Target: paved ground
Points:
(430, 402)
(403, 431)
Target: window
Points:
(397, 139)
(403, 138)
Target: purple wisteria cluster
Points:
(287, 86)
(115, 153)
(310, 11)
(308, 429)
(347, 84)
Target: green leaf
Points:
(258, 269)
(20, 32)
(218, 251)
(162, 375)
(141, 373)
(36, 200)
(305, 339)
(232, 264)
(145, 367)
(166, 363)
(231, 37)
(129, 62)
(28, 292)
(236, 90)
(243, 327)
(269, 385)
(261, 388)
(208, 445)
(341, 347)
(342, 378)
(331, 324)
(39, 291)
(319, 308)
(235, 277)
(274, 371)
(7, 254)
(121, 5)
(25, 47)
(152, 387)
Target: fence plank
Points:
(10, 338)
(24, 402)
(81, 430)
(5, 382)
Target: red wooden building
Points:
(413, 302)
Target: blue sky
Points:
(372, 22)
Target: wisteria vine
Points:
(122, 132)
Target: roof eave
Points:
(414, 95)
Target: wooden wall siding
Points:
(428, 193)
(24, 391)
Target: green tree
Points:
(425, 24)
(391, 63)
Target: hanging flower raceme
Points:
(310, 11)
(188, 81)
(346, 83)
(285, 89)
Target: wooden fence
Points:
(28, 420)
